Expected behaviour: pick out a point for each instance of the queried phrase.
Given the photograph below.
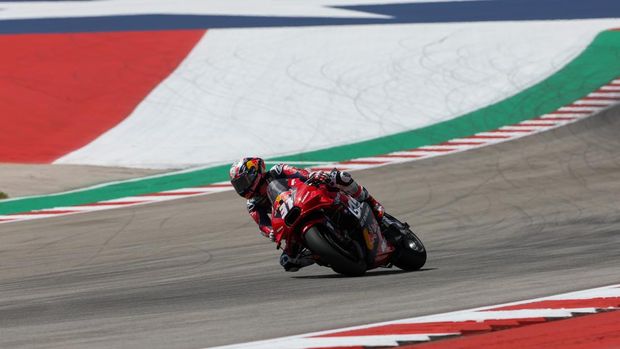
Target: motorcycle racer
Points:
(250, 180)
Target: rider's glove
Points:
(320, 177)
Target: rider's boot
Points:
(376, 207)
(379, 211)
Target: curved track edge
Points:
(594, 102)
(593, 68)
(454, 325)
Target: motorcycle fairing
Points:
(377, 247)
(287, 194)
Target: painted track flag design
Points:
(562, 116)
(61, 91)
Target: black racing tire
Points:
(411, 254)
(330, 253)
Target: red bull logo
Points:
(369, 239)
(250, 164)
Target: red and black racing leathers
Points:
(259, 205)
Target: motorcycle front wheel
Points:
(411, 254)
(320, 242)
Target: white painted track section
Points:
(285, 90)
(340, 338)
(290, 8)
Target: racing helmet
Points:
(246, 174)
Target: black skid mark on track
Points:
(108, 240)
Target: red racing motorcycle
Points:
(340, 232)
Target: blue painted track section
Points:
(443, 12)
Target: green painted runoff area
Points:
(596, 66)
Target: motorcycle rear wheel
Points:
(320, 243)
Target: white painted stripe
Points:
(437, 147)
(522, 128)
(389, 159)
(9, 217)
(441, 151)
(565, 115)
(591, 109)
(68, 9)
(269, 162)
(398, 157)
(91, 208)
(46, 210)
(477, 314)
(218, 189)
(502, 315)
(542, 122)
(352, 167)
(186, 190)
(131, 198)
(409, 152)
(605, 94)
(484, 141)
(378, 159)
(529, 125)
(219, 184)
(459, 147)
(510, 135)
(611, 88)
(370, 341)
(606, 292)
(428, 154)
(616, 81)
(169, 197)
(24, 216)
(601, 102)
(474, 141)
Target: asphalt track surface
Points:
(23, 180)
(528, 218)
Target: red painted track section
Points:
(459, 327)
(58, 92)
(600, 303)
(587, 332)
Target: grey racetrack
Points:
(518, 220)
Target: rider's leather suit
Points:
(259, 205)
